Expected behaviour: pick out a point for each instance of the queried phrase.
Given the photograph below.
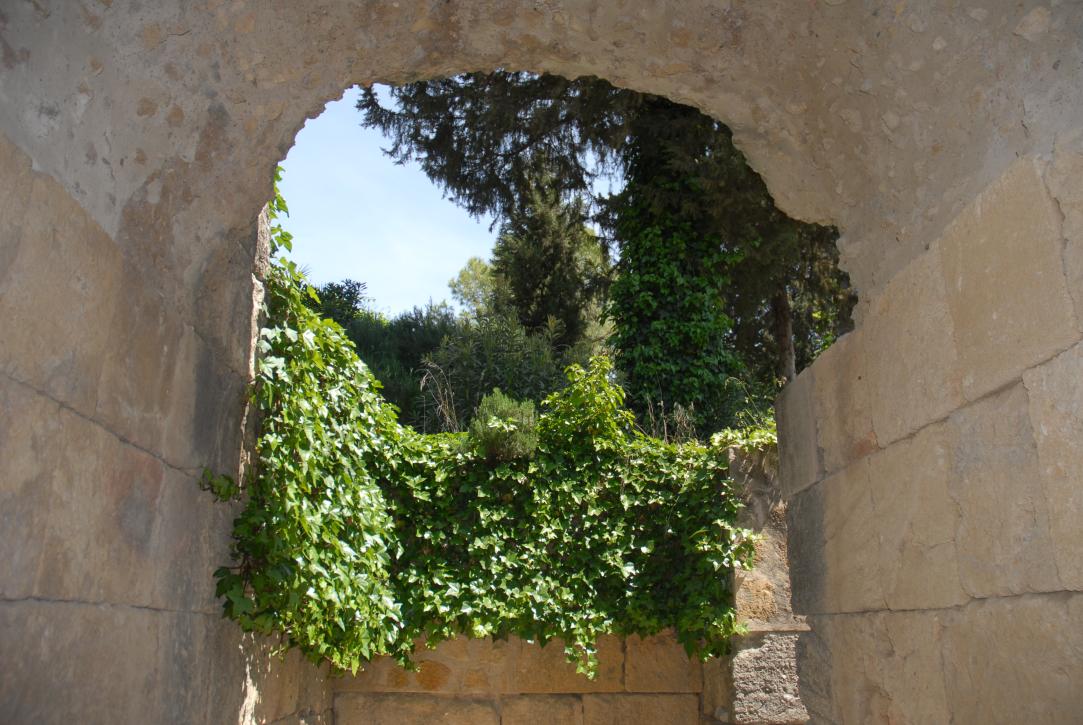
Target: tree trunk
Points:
(783, 319)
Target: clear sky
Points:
(355, 214)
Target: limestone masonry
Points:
(931, 460)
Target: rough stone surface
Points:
(1003, 271)
(763, 596)
(765, 681)
(370, 709)
(533, 709)
(622, 709)
(1055, 393)
(1003, 538)
(1062, 178)
(917, 520)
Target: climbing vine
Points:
(360, 536)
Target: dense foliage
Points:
(494, 351)
(668, 300)
(477, 136)
(360, 536)
(395, 348)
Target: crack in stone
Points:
(1062, 220)
(193, 471)
(104, 604)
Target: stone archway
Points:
(932, 455)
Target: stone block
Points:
(873, 667)
(98, 519)
(1003, 273)
(814, 674)
(834, 545)
(103, 663)
(841, 401)
(1015, 660)
(655, 709)
(911, 360)
(659, 664)
(798, 448)
(913, 673)
(805, 522)
(457, 666)
(166, 390)
(16, 182)
(1055, 393)
(79, 506)
(141, 370)
(549, 709)
(200, 413)
(1003, 539)
(851, 542)
(247, 681)
(191, 540)
(917, 519)
(355, 708)
(546, 669)
(765, 680)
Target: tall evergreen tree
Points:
(549, 261)
(476, 135)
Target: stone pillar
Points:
(757, 684)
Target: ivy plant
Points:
(360, 536)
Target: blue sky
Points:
(355, 214)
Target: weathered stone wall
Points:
(934, 460)
(932, 455)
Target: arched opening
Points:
(772, 611)
(930, 455)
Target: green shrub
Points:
(504, 428)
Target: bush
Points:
(504, 429)
(395, 349)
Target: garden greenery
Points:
(361, 536)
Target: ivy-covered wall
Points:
(640, 679)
